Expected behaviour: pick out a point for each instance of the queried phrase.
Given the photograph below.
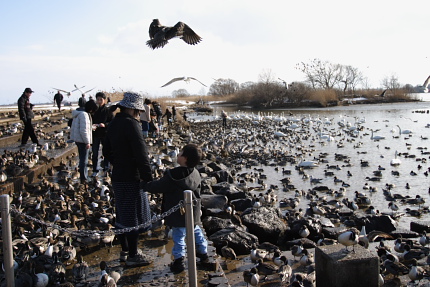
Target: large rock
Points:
(214, 224)
(238, 239)
(217, 166)
(242, 204)
(420, 226)
(213, 201)
(380, 223)
(228, 190)
(264, 222)
(223, 176)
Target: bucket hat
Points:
(132, 101)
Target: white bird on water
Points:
(186, 79)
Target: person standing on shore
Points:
(82, 101)
(173, 113)
(145, 117)
(224, 119)
(81, 133)
(25, 109)
(58, 99)
(101, 119)
(124, 147)
(168, 115)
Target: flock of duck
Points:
(284, 161)
(279, 161)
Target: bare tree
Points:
(321, 74)
(351, 76)
(223, 87)
(391, 83)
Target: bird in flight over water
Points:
(186, 79)
(160, 35)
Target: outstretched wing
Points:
(60, 90)
(197, 81)
(427, 82)
(78, 89)
(187, 34)
(89, 90)
(173, 80)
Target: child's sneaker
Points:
(123, 256)
(178, 265)
(139, 259)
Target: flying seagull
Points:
(68, 93)
(79, 89)
(186, 79)
(426, 84)
(160, 35)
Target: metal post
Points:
(191, 251)
(7, 240)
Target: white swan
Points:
(395, 160)
(404, 132)
(376, 137)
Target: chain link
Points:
(80, 233)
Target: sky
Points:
(101, 44)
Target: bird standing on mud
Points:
(160, 35)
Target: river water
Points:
(386, 120)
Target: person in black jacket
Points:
(58, 98)
(101, 119)
(172, 186)
(168, 115)
(124, 147)
(25, 109)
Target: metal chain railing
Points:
(80, 233)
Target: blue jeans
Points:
(83, 160)
(179, 244)
(95, 158)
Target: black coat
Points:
(102, 115)
(125, 148)
(25, 108)
(172, 185)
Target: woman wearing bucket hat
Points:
(125, 148)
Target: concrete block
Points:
(336, 268)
